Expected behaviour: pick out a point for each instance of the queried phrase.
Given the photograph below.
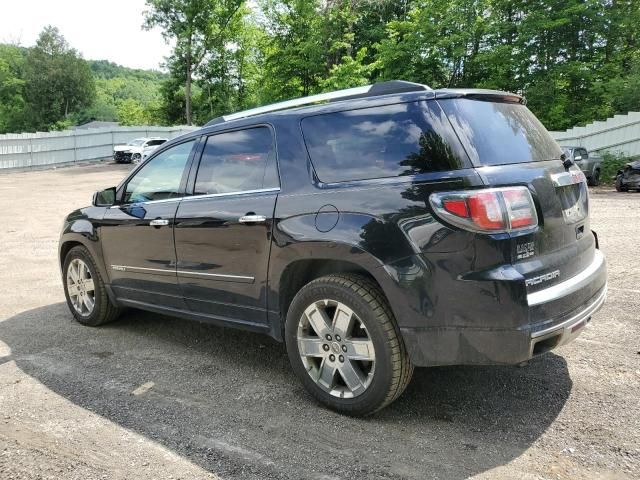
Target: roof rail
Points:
(382, 88)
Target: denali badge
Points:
(525, 250)
(542, 278)
(119, 268)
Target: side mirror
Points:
(577, 158)
(104, 198)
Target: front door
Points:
(137, 234)
(223, 231)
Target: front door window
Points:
(159, 179)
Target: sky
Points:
(99, 29)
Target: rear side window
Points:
(388, 141)
(498, 133)
(237, 162)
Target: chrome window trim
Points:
(196, 197)
(241, 192)
(148, 202)
(569, 286)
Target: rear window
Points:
(388, 141)
(496, 133)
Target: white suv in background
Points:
(137, 149)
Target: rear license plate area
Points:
(574, 202)
(573, 194)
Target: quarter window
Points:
(388, 141)
(160, 178)
(237, 161)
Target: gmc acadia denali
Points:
(372, 230)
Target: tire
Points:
(594, 180)
(91, 290)
(370, 333)
(619, 186)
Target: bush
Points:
(611, 163)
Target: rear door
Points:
(137, 234)
(223, 231)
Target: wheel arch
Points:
(293, 267)
(301, 272)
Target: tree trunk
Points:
(187, 95)
(187, 86)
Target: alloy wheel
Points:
(80, 287)
(336, 349)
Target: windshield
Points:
(136, 143)
(499, 133)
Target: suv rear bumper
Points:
(563, 333)
(450, 345)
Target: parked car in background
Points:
(134, 150)
(629, 177)
(394, 226)
(589, 163)
(152, 146)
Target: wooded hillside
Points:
(575, 60)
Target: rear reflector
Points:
(457, 207)
(492, 210)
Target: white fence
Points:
(618, 134)
(40, 149)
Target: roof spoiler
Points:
(382, 88)
(481, 94)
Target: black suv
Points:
(387, 227)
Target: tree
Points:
(58, 82)
(197, 27)
(11, 89)
(350, 72)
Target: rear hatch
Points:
(509, 146)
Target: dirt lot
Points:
(156, 397)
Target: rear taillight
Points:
(492, 210)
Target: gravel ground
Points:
(156, 397)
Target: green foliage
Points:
(57, 81)
(49, 87)
(350, 72)
(611, 163)
(12, 101)
(574, 60)
(200, 29)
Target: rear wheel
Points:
(85, 291)
(344, 345)
(594, 180)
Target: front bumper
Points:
(121, 156)
(450, 345)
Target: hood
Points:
(634, 165)
(122, 148)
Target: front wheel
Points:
(344, 345)
(85, 291)
(619, 186)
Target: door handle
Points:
(159, 222)
(252, 219)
